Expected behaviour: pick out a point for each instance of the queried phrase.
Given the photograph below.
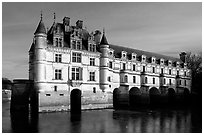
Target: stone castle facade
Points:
(65, 58)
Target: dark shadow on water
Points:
(75, 118)
(21, 122)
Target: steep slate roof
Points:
(40, 28)
(104, 40)
(32, 48)
(119, 49)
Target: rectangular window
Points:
(185, 82)
(169, 81)
(76, 57)
(55, 88)
(162, 71)
(143, 68)
(177, 72)
(92, 48)
(126, 79)
(180, 82)
(58, 74)
(153, 80)
(92, 61)
(134, 68)
(109, 79)
(153, 69)
(92, 76)
(78, 45)
(58, 57)
(60, 42)
(110, 64)
(76, 73)
(164, 81)
(73, 44)
(134, 79)
(184, 73)
(123, 66)
(94, 89)
(169, 71)
(56, 41)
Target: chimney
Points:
(79, 24)
(183, 56)
(66, 21)
(97, 37)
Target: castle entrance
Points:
(75, 101)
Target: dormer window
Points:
(177, 64)
(133, 56)
(153, 59)
(169, 62)
(92, 47)
(143, 58)
(161, 61)
(58, 42)
(76, 45)
(124, 54)
(111, 53)
(184, 65)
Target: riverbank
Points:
(67, 108)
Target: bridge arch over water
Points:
(134, 96)
(154, 96)
(186, 96)
(116, 97)
(171, 96)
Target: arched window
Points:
(126, 78)
(145, 79)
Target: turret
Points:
(183, 56)
(79, 24)
(104, 62)
(40, 42)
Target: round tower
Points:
(40, 42)
(104, 63)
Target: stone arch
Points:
(134, 97)
(116, 93)
(186, 96)
(154, 96)
(75, 100)
(171, 96)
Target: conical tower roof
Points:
(104, 40)
(41, 27)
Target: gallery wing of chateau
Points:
(69, 57)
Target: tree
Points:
(6, 83)
(194, 62)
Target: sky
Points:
(164, 28)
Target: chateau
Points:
(68, 58)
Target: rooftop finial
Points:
(54, 17)
(103, 30)
(41, 15)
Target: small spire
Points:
(41, 15)
(41, 27)
(54, 17)
(103, 39)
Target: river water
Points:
(107, 121)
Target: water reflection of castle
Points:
(68, 58)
